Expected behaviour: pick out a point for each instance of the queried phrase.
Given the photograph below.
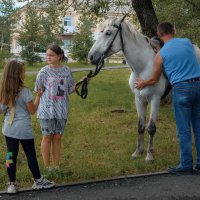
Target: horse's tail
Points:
(169, 86)
(167, 90)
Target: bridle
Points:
(84, 90)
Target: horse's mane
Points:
(108, 22)
(132, 30)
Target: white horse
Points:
(139, 55)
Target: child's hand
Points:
(86, 78)
(40, 91)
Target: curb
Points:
(91, 182)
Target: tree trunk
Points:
(2, 41)
(146, 16)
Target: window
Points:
(67, 44)
(67, 21)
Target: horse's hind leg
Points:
(155, 103)
(141, 111)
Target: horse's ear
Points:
(154, 43)
(119, 20)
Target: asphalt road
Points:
(156, 187)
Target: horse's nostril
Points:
(91, 58)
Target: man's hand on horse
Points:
(140, 83)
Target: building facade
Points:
(69, 23)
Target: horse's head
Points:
(107, 43)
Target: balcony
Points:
(69, 29)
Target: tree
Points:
(52, 29)
(194, 3)
(82, 40)
(183, 14)
(37, 31)
(29, 37)
(146, 16)
(4, 54)
(6, 20)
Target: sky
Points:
(19, 4)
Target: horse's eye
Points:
(108, 32)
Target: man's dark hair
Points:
(165, 28)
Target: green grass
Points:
(98, 143)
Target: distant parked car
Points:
(42, 57)
(18, 58)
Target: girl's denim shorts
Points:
(52, 126)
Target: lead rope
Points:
(84, 90)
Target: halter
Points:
(84, 90)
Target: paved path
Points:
(87, 69)
(153, 187)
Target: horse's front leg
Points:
(155, 104)
(141, 111)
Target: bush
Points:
(4, 55)
(82, 41)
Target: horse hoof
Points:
(136, 155)
(149, 159)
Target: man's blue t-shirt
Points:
(180, 60)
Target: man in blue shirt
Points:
(181, 66)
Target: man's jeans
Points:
(186, 102)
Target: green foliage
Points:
(101, 7)
(38, 32)
(30, 35)
(82, 40)
(51, 28)
(29, 55)
(95, 7)
(91, 8)
(4, 54)
(6, 10)
(184, 14)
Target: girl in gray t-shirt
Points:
(16, 104)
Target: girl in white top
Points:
(57, 82)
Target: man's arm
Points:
(157, 70)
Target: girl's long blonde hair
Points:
(11, 82)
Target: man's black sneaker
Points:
(180, 170)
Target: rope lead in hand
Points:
(84, 90)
